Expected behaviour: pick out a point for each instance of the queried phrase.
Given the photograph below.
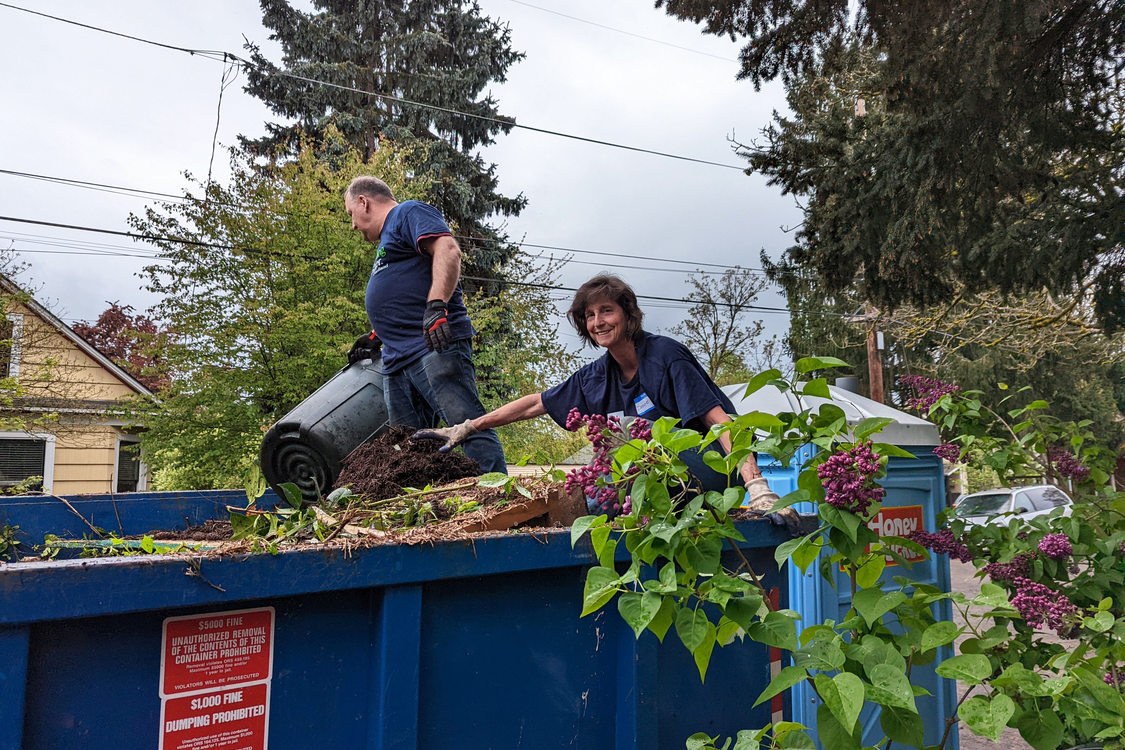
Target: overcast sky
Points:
(83, 105)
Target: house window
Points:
(129, 467)
(20, 458)
(11, 331)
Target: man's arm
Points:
(446, 269)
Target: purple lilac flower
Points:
(1019, 567)
(1056, 546)
(950, 452)
(942, 543)
(587, 478)
(1066, 464)
(929, 390)
(1113, 676)
(640, 429)
(849, 479)
(1037, 605)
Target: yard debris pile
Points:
(385, 465)
(392, 490)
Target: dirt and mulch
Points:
(402, 492)
(391, 461)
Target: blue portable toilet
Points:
(915, 495)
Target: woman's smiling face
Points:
(605, 322)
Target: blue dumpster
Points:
(460, 644)
(915, 495)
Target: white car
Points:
(1022, 502)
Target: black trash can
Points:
(308, 445)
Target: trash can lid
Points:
(906, 429)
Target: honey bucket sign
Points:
(900, 520)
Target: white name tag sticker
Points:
(644, 404)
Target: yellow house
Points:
(61, 415)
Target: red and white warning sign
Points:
(228, 719)
(900, 520)
(204, 652)
(215, 672)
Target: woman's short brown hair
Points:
(605, 286)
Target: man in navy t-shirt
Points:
(416, 310)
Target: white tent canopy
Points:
(906, 429)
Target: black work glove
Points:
(366, 346)
(435, 326)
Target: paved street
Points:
(962, 580)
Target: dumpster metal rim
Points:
(86, 587)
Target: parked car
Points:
(994, 506)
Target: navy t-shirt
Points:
(399, 287)
(669, 382)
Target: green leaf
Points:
(870, 426)
(869, 573)
(794, 497)
(1043, 730)
(775, 629)
(843, 694)
(987, 717)
(744, 609)
(601, 585)
(939, 634)
(292, 494)
(902, 726)
(886, 449)
(873, 603)
(972, 669)
(890, 687)
(522, 490)
(787, 678)
(832, 734)
(1103, 693)
(663, 618)
(991, 595)
(598, 537)
(147, 543)
(638, 609)
(1099, 623)
(822, 655)
(691, 627)
(758, 381)
(808, 364)
(493, 479)
(817, 387)
(843, 520)
(702, 653)
(581, 525)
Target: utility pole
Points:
(874, 356)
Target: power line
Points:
(250, 251)
(122, 190)
(506, 123)
(626, 33)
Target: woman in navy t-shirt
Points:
(640, 375)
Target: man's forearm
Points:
(446, 269)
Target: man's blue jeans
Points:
(443, 385)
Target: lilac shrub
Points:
(849, 479)
(928, 391)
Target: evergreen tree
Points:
(441, 53)
(944, 144)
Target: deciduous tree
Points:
(132, 340)
(718, 328)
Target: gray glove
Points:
(760, 500)
(453, 436)
(759, 497)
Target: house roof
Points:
(9, 286)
